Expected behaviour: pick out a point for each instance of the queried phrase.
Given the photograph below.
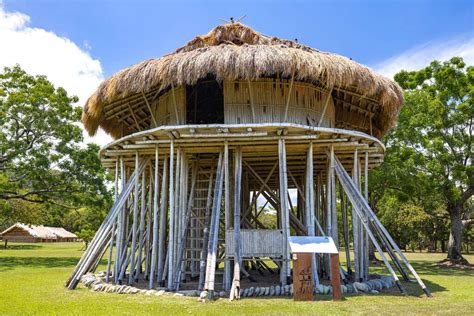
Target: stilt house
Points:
(213, 135)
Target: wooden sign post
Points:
(335, 277)
(303, 249)
(302, 277)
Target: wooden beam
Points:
(149, 109)
(289, 97)
(325, 107)
(175, 104)
(252, 105)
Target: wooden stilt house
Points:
(208, 133)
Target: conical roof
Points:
(236, 51)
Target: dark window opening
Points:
(205, 102)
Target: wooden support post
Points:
(309, 209)
(235, 290)
(284, 211)
(335, 234)
(355, 222)
(366, 236)
(141, 230)
(184, 232)
(154, 248)
(149, 224)
(176, 213)
(111, 245)
(335, 280)
(171, 234)
(227, 214)
(131, 272)
(163, 220)
(345, 222)
(214, 230)
(121, 225)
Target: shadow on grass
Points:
(21, 247)
(431, 268)
(8, 263)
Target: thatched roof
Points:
(236, 51)
(42, 232)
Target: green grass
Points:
(32, 280)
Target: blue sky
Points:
(120, 33)
(79, 43)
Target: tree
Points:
(432, 145)
(42, 158)
(86, 234)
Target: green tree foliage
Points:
(429, 154)
(42, 158)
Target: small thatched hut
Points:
(232, 120)
(36, 233)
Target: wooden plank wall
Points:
(256, 242)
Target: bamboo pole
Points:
(171, 221)
(214, 230)
(135, 225)
(309, 207)
(141, 229)
(366, 236)
(358, 206)
(149, 224)
(355, 222)
(154, 251)
(284, 211)
(184, 234)
(227, 213)
(103, 233)
(235, 289)
(111, 245)
(176, 211)
(163, 220)
(329, 209)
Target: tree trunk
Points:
(455, 235)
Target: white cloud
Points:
(39, 51)
(420, 56)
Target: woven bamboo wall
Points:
(164, 107)
(270, 97)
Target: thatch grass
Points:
(235, 51)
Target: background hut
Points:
(232, 118)
(35, 233)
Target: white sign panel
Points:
(312, 244)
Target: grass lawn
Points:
(32, 280)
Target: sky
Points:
(77, 44)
